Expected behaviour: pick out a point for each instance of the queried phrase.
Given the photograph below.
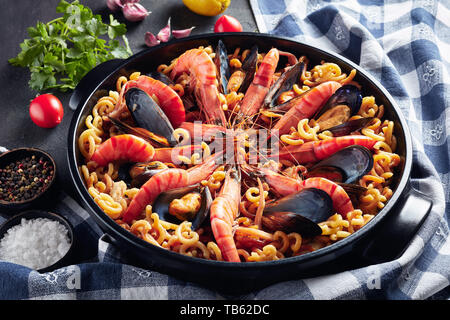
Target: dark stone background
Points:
(16, 127)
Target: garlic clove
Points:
(182, 33)
(164, 33)
(151, 40)
(134, 12)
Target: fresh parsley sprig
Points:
(60, 52)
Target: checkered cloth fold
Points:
(405, 45)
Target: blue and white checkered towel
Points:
(406, 45)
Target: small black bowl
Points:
(34, 214)
(11, 207)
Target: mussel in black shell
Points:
(348, 127)
(345, 102)
(148, 115)
(188, 203)
(223, 66)
(155, 140)
(299, 212)
(140, 172)
(346, 166)
(249, 67)
(284, 83)
(136, 174)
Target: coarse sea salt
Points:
(35, 243)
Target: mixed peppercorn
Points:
(24, 179)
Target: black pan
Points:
(382, 239)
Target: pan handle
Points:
(398, 230)
(90, 82)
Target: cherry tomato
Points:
(227, 24)
(46, 111)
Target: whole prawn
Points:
(305, 106)
(202, 70)
(224, 209)
(262, 81)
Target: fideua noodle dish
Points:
(239, 155)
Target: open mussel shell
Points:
(161, 204)
(346, 166)
(223, 66)
(345, 102)
(348, 127)
(249, 67)
(135, 175)
(286, 106)
(299, 212)
(148, 115)
(154, 139)
(140, 172)
(284, 83)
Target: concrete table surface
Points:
(16, 127)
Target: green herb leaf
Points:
(115, 29)
(42, 78)
(118, 51)
(60, 52)
(53, 61)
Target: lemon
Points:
(207, 7)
